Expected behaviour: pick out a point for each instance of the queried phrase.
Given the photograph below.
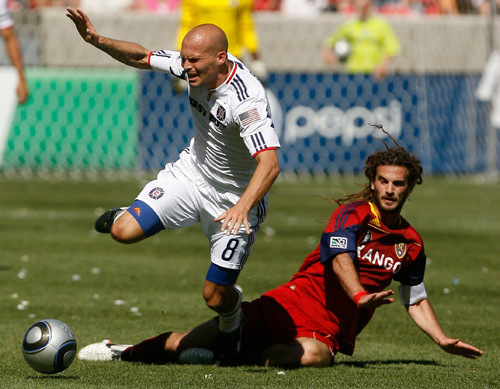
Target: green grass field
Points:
(53, 265)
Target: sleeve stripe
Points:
(258, 141)
(344, 215)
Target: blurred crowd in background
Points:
(293, 8)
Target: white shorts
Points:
(180, 197)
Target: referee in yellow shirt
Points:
(371, 43)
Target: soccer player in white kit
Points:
(221, 179)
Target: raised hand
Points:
(83, 25)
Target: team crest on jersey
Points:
(156, 193)
(367, 238)
(400, 249)
(338, 242)
(221, 113)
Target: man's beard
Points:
(383, 208)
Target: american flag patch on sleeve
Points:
(249, 117)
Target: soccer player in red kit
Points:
(334, 294)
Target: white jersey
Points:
(233, 123)
(5, 18)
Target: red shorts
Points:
(267, 322)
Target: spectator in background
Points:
(428, 7)
(235, 19)
(108, 6)
(266, 5)
(483, 7)
(13, 50)
(369, 43)
(303, 8)
(33, 4)
(164, 7)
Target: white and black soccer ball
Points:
(342, 49)
(49, 346)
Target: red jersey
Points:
(380, 254)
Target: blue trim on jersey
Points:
(344, 214)
(258, 141)
(221, 276)
(146, 217)
(413, 274)
(261, 211)
(339, 242)
(240, 87)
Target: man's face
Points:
(390, 188)
(363, 7)
(201, 65)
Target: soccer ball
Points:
(49, 346)
(342, 50)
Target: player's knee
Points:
(316, 354)
(315, 359)
(119, 233)
(126, 232)
(173, 342)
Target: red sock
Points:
(150, 351)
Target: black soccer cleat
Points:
(105, 221)
(227, 348)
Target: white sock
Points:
(230, 321)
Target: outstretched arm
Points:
(424, 317)
(129, 53)
(263, 178)
(344, 269)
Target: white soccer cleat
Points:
(196, 356)
(101, 352)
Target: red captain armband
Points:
(358, 296)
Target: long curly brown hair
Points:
(392, 156)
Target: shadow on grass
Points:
(357, 364)
(53, 377)
(362, 364)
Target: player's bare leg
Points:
(126, 229)
(220, 298)
(303, 352)
(122, 226)
(226, 301)
(203, 336)
(194, 346)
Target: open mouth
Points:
(192, 77)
